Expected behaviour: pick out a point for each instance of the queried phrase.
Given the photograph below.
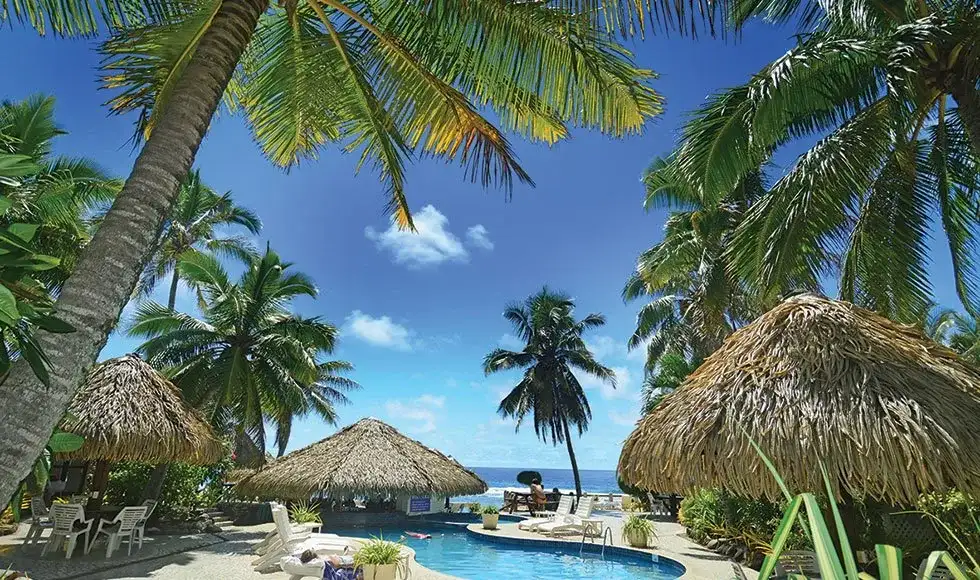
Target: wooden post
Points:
(100, 481)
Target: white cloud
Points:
(431, 245)
(511, 342)
(381, 331)
(627, 419)
(623, 389)
(420, 410)
(478, 236)
(605, 346)
(639, 354)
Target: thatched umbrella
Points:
(888, 412)
(127, 411)
(369, 457)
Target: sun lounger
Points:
(564, 508)
(289, 542)
(570, 523)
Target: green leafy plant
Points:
(840, 565)
(58, 442)
(637, 530)
(305, 512)
(489, 509)
(717, 514)
(377, 551)
(186, 488)
(954, 515)
(475, 507)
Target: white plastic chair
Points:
(65, 517)
(140, 531)
(119, 527)
(289, 542)
(40, 520)
(571, 523)
(564, 508)
(295, 529)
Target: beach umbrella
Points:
(127, 411)
(890, 413)
(526, 477)
(369, 457)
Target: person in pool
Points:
(538, 495)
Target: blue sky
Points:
(419, 312)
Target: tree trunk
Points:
(571, 457)
(968, 101)
(103, 281)
(159, 475)
(100, 481)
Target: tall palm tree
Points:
(666, 376)
(695, 300)
(61, 195)
(889, 89)
(390, 80)
(197, 217)
(249, 360)
(549, 390)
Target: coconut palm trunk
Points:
(571, 457)
(103, 280)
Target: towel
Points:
(331, 573)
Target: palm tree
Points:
(61, 195)
(890, 90)
(549, 390)
(199, 214)
(249, 360)
(669, 373)
(390, 80)
(695, 300)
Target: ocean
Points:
(501, 479)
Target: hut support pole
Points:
(155, 485)
(100, 481)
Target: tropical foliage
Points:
(889, 92)
(59, 442)
(249, 360)
(187, 487)
(550, 391)
(62, 196)
(667, 375)
(197, 224)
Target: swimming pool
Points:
(452, 550)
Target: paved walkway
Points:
(701, 563)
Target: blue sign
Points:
(419, 504)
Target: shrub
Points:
(378, 552)
(957, 521)
(635, 525)
(490, 509)
(186, 488)
(713, 513)
(305, 512)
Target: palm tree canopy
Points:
(62, 195)
(549, 391)
(197, 222)
(894, 153)
(394, 81)
(248, 360)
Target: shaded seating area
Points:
(125, 411)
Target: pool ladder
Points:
(606, 534)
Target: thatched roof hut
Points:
(369, 457)
(127, 411)
(888, 412)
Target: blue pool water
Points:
(452, 550)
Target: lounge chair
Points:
(40, 520)
(272, 538)
(290, 543)
(564, 508)
(69, 523)
(123, 526)
(798, 562)
(140, 531)
(571, 523)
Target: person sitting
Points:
(538, 497)
(334, 567)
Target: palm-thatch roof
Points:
(888, 412)
(369, 457)
(127, 411)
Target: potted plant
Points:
(378, 559)
(490, 516)
(638, 531)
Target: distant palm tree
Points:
(549, 390)
(194, 226)
(695, 299)
(669, 373)
(249, 360)
(61, 195)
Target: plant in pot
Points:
(490, 516)
(378, 559)
(638, 531)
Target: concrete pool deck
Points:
(699, 562)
